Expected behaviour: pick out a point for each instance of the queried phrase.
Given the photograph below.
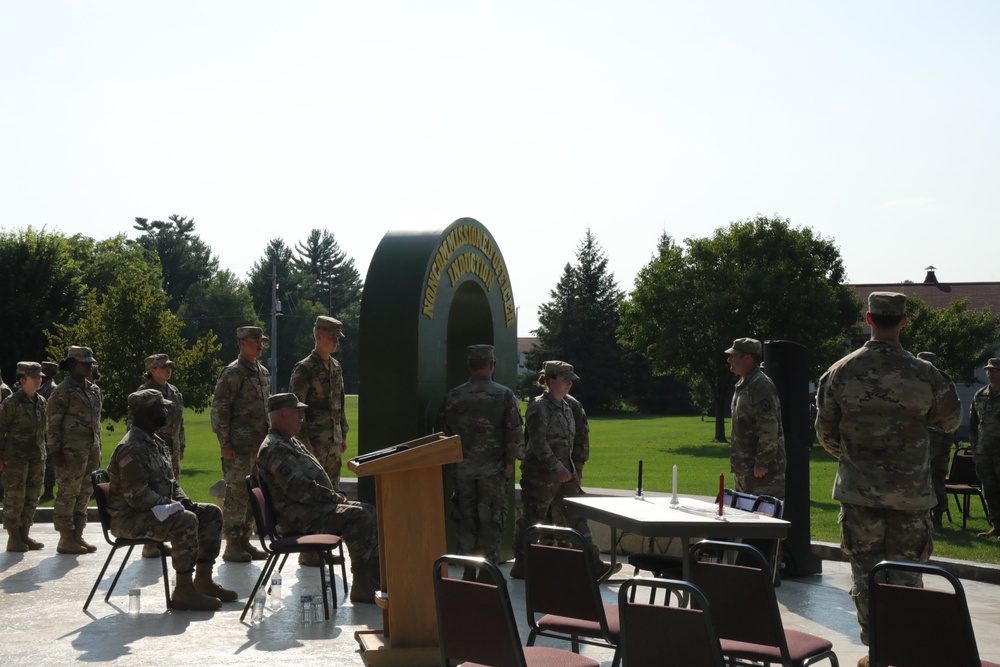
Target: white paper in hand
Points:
(161, 512)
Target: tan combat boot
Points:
(68, 544)
(15, 542)
(235, 553)
(152, 551)
(206, 585)
(188, 598)
(310, 559)
(34, 545)
(81, 523)
(364, 581)
(255, 553)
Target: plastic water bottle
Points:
(308, 609)
(257, 615)
(134, 599)
(275, 592)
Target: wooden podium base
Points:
(376, 651)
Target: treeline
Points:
(656, 349)
(659, 348)
(163, 292)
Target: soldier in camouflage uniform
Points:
(239, 420)
(318, 381)
(49, 370)
(306, 502)
(5, 393)
(757, 453)
(940, 448)
(159, 369)
(554, 456)
(73, 438)
(874, 407)
(143, 484)
(487, 416)
(984, 434)
(22, 456)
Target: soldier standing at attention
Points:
(318, 381)
(239, 420)
(487, 416)
(49, 370)
(554, 456)
(22, 456)
(145, 501)
(984, 433)
(73, 438)
(940, 450)
(874, 407)
(306, 502)
(757, 453)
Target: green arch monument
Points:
(428, 295)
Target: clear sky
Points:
(874, 123)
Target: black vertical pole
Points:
(787, 364)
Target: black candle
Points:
(639, 487)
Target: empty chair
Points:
(476, 622)
(963, 481)
(913, 627)
(561, 592)
(745, 608)
(658, 635)
(100, 480)
(280, 546)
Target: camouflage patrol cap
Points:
(50, 367)
(277, 402)
(993, 363)
(887, 303)
(250, 333)
(30, 369)
(81, 354)
(480, 353)
(330, 326)
(157, 360)
(145, 398)
(745, 346)
(927, 356)
(559, 369)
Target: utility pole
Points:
(272, 362)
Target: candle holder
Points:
(675, 503)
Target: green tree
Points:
(296, 316)
(758, 277)
(330, 279)
(219, 305)
(579, 325)
(39, 285)
(125, 324)
(963, 340)
(185, 260)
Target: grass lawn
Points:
(617, 444)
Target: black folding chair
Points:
(658, 635)
(100, 480)
(962, 481)
(913, 627)
(476, 622)
(281, 545)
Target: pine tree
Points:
(579, 326)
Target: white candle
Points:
(675, 482)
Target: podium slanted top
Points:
(435, 449)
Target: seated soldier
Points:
(306, 502)
(142, 478)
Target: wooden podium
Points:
(409, 499)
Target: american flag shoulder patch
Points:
(125, 460)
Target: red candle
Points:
(722, 491)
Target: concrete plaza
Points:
(43, 623)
